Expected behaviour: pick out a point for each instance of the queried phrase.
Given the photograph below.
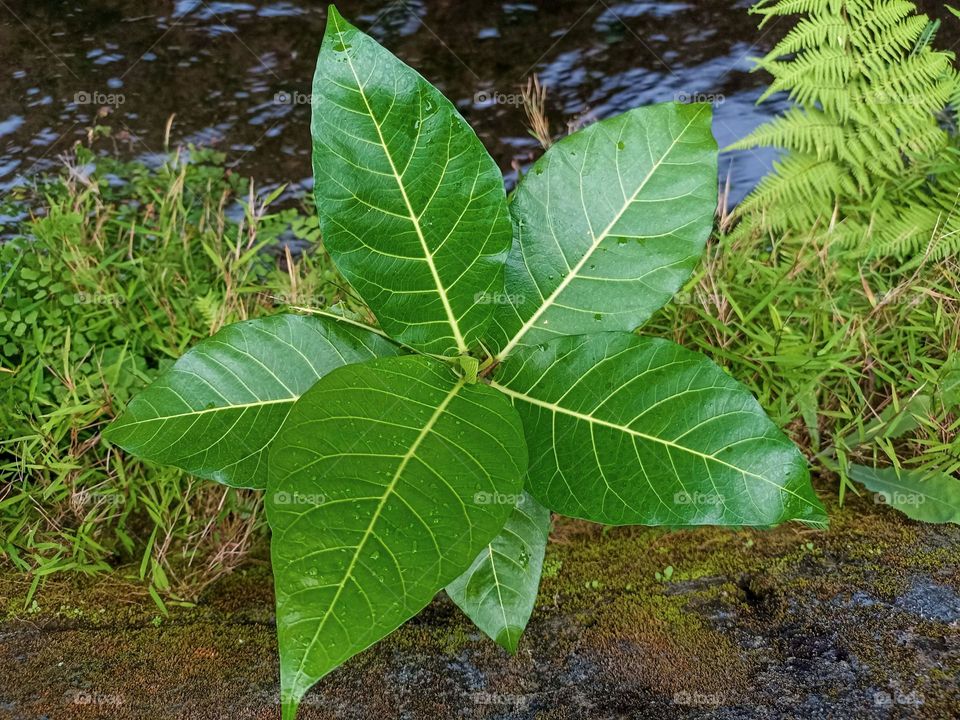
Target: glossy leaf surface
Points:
(632, 430)
(376, 502)
(609, 224)
(215, 412)
(499, 590)
(412, 207)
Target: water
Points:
(237, 74)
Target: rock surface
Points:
(861, 621)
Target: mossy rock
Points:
(862, 621)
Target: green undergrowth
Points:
(118, 268)
(838, 351)
(114, 272)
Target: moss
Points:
(551, 567)
(749, 618)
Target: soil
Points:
(861, 621)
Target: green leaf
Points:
(933, 498)
(635, 430)
(948, 387)
(216, 410)
(412, 206)
(895, 421)
(373, 501)
(498, 591)
(609, 224)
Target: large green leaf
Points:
(499, 590)
(375, 499)
(216, 410)
(929, 497)
(412, 207)
(609, 224)
(633, 430)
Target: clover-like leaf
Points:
(609, 223)
(635, 430)
(412, 207)
(375, 504)
(499, 590)
(216, 410)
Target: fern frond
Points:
(809, 34)
(786, 193)
(779, 8)
(865, 144)
(888, 43)
(806, 131)
(810, 71)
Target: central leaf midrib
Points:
(553, 407)
(496, 582)
(595, 243)
(388, 491)
(428, 255)
(219, 408)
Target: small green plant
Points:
(869, 162)
(665, 575)
(504, 380)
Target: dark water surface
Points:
(237, 74)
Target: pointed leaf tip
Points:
(499, 590)
(412, 207)
(336, 22)
(509, 639)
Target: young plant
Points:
(504, 381)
